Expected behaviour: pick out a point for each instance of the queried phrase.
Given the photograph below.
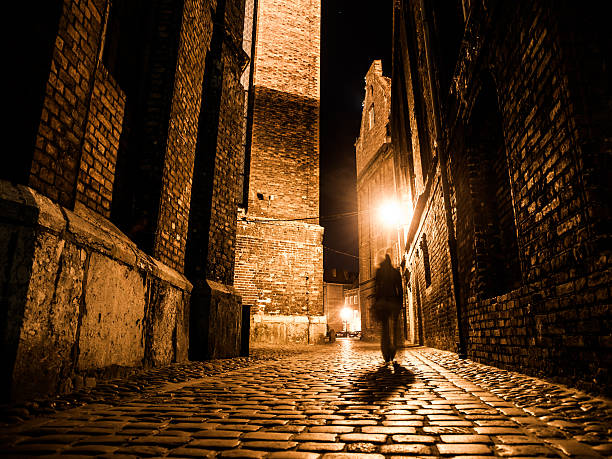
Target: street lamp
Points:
(394, 215)
(345, 315)
(389, 213)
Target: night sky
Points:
(351, 38)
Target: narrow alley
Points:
(213, 211)
(335, 400)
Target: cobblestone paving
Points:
(335, 401)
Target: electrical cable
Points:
(341, 253)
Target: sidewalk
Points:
(334, 400)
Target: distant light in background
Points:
(346, 314)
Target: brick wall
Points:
(288, 47)
(285, 139)
(57, 151)
(212, 226)
(182, 128)
(564, 320)
(279, 264)
(284, 173)
(552, 316)
(377, 97)
(279, 267)
(437, 307)
(99, 157)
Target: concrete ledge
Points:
(80, 297)
(21, 205)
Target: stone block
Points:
(113, 314)
(49, 318)
(282, 329)
(163, 304)
(215, 325)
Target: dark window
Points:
(426, 265)
(494, 225)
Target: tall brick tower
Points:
(279, 253)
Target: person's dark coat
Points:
(388, 289)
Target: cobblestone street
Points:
(335, 400)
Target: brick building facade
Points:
(499, 119)
(118, 213)
(336, 284)
(279, 256)
(377, 188)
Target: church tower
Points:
(279, 253)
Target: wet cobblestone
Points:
(334, 401)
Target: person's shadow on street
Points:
(383, 383)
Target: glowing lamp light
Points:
(345, 313)
(389, 213)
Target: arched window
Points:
(371, 117)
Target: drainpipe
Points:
(452, 241)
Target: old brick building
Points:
(279, 256)
(377, 190)
(336, 284)
(118, 208)
(501, 119)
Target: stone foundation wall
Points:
(279, 329)
(79, 299)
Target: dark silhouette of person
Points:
(387, 306)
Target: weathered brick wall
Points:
(279, 264)
(284, 173)
(555, 319)
(288, 47)
(437, 307)
(564, 319)
(215, 307)
(279, 267)
(285, 142)
(99, 156)
(587, 54)
(182, 129)
(221, 246)
(57, 152)
(133, 298)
